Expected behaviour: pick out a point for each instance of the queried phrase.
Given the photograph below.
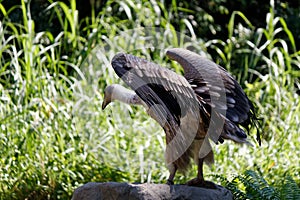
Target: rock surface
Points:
(122, 191)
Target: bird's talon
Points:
(201, 183)
(170, 182)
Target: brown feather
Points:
(186, 106)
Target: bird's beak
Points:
(104, 104)
(107, 96)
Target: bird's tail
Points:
(233, 132)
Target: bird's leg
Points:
(199, 181)
(172, 175)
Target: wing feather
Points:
(170, 99)
(217, 90)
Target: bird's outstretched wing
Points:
(217, 90)
(170, 99)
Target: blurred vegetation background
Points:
(55, 63)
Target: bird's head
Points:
(108, 95)
(117, 92)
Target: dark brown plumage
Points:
(207, 102)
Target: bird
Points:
(204, 104)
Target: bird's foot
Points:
(201, 183)
(170, 182)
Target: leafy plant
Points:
(251, 185)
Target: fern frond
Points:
(289, 190)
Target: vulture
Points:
(205, 104)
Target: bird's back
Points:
(219, 93)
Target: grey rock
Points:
(146, 191)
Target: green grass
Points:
(55, 137)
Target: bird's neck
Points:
(124, 95)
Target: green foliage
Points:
(54, 135)
(251, 185)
